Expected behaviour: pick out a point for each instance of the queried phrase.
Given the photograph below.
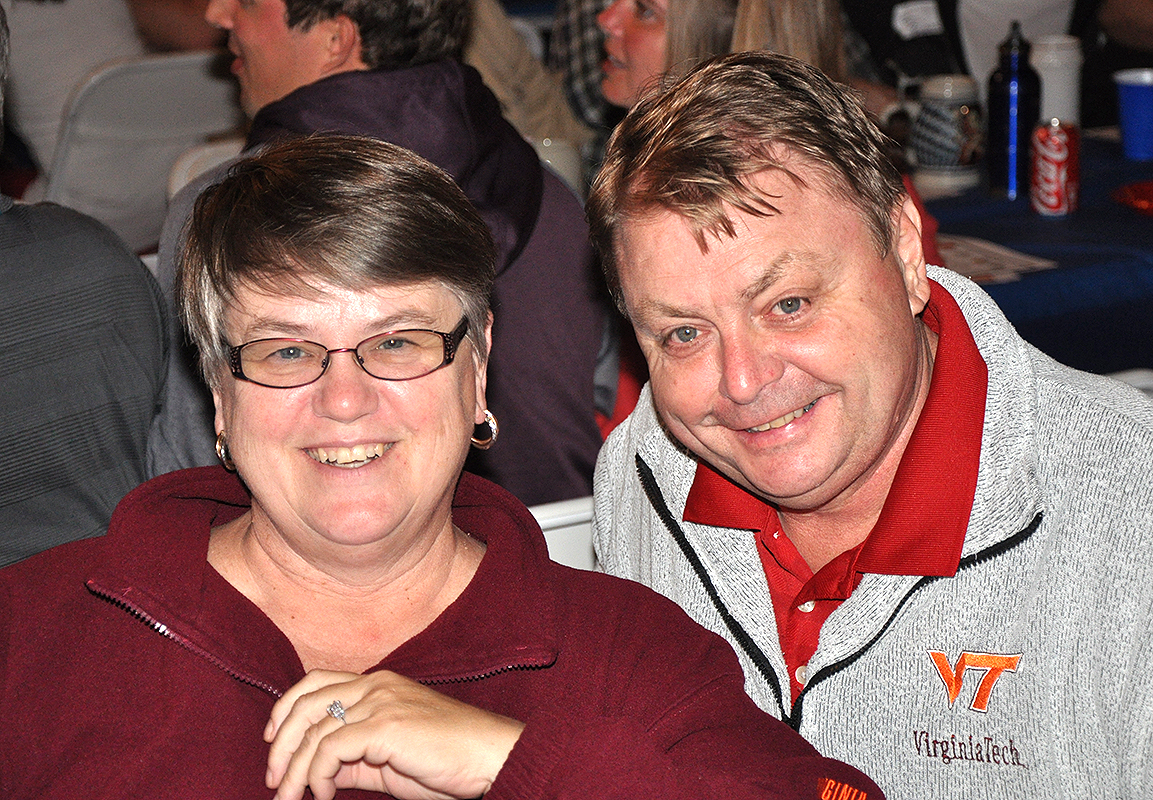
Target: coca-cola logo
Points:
(1050, 171)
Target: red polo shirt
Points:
(922, 524)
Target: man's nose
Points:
(748, 365)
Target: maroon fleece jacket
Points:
(129, 668)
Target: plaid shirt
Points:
(576, 50)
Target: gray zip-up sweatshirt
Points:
(1027, 674)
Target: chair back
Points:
(568, 530)
(124, 127)
(200, 158)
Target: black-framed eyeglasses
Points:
(389, 356)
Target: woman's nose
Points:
(609, 19)
(345, 392)
(218, 14)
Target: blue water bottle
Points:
(1014, 108)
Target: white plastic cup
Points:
(1135, 102)
(1057, 60)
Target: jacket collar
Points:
(153, 562)
(1008, 494)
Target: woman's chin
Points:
(617, 92)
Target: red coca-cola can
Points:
(1056, 173)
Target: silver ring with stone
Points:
(336, 709)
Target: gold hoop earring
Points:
(223, 454)
(493, 432)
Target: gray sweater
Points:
(1056, 570)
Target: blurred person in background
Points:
(57, 43)
(84, 335)
(651, 40)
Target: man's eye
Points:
(791, 305)
(684, 335)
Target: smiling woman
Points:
(348, 609)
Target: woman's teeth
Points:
(785, 420)
(355, 456)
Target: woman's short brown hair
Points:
(346, 211)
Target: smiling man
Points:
(928, 542)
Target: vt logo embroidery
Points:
(993, 664)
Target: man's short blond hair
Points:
(691, 148)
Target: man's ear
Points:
(910, 254)
(344, 45)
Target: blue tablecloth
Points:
(1095, 310)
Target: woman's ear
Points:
(482, 371)
(218, 402)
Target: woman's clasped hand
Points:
(398, 737)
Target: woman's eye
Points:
(290, 353)
(791, 305)
(393, 343)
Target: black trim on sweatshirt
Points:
(742, 637)
(653, 491)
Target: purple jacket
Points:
(549, 303)
(130, 668)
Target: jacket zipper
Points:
(168, 633)
(479, 676)
(742, 637)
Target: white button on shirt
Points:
(802, 673)
(807, 606)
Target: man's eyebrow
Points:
(648, 309)
(773, 272)
(776, 270)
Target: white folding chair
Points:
(568, 530)
(197, 160)
(123, 129)
(1140, 378)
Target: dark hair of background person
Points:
(395, 34)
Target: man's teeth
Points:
(354, 456)
(785, 420)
